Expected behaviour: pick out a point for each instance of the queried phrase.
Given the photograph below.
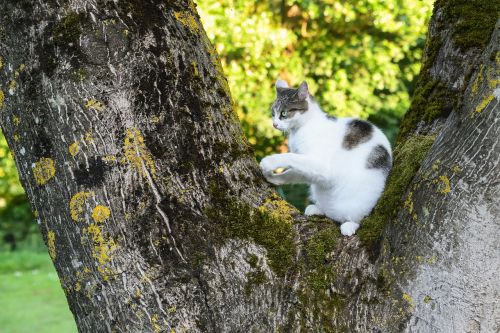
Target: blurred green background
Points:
(360, 58)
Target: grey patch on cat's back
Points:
(379, 158)
(357, 132)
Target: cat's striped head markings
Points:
(290, 105)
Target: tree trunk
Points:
(157, 217)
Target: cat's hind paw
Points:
(349, 228)
(313, 210)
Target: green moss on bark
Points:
(317, 249)
(427, 102)
(473, 21)
(68, 29)
(254, 278)
(269, 225)
(407, 159)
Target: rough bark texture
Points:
(157, 217)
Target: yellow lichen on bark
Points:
(74, 148)
(409, 300)
(1, 62)
(51, 244)
(2, 99)
(187, 19)
(484, 103)
(88, 137)
(77, 204)
(156, 326)
(93, 104)
(12, 86)
(478, 80)
(44, 170)
(136, 153)
(444, 185)
(16, 120)
(101, 250)
(100, 213)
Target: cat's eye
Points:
(284, 113)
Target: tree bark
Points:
(157, 217)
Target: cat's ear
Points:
(303, 91)
(280, 84)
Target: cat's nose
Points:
(275, 125)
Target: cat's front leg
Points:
(290, 168)
(278, 169)
(273, 167)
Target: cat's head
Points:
(290, 106)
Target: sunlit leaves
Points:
(360, 57)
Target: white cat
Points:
(344, 160)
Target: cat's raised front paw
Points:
(271, 165)
(348, 228)
(313, 210)
(272, 162)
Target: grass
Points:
(31, 297)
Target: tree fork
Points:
(157, 217)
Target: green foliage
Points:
(16, 221)
(360, 58)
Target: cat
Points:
(345, 161)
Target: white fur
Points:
(281, 84)
(341, 186)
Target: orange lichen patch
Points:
(93, 104)
(102, 249)
(100, 213)
(77, 204)
(51, 244)
(484, 103)
(74, 148)
(44, 170)
(136, 154)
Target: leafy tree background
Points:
(360, 58)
